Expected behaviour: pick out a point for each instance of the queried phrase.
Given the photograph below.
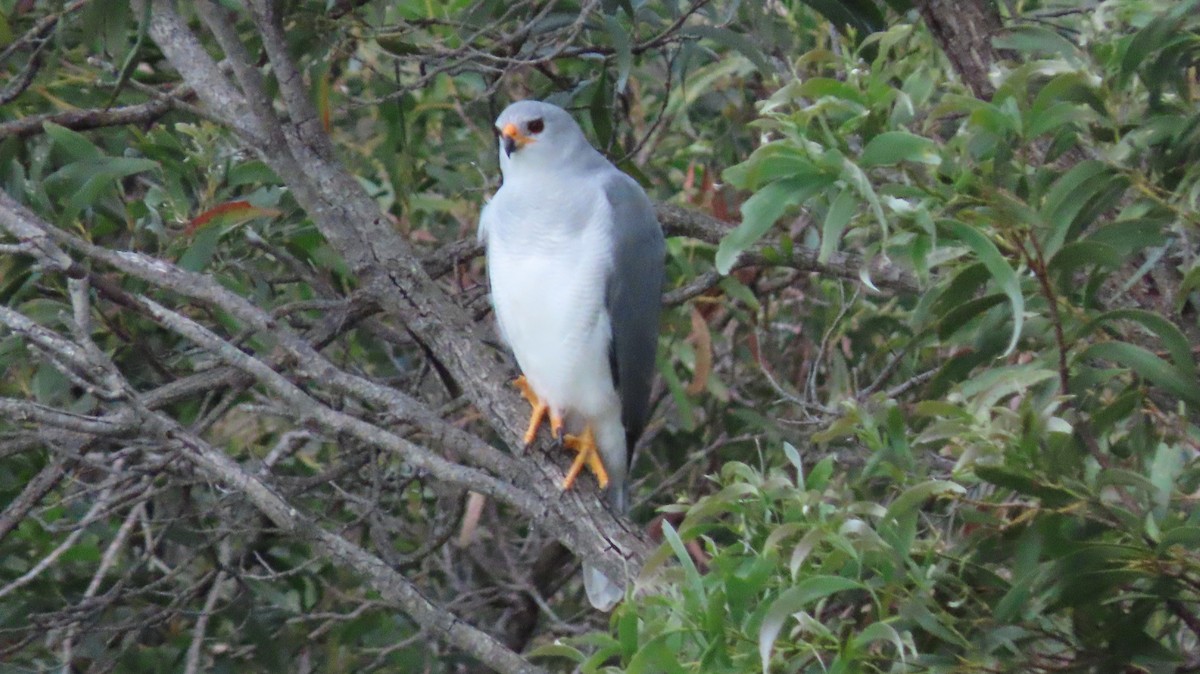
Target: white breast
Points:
(548, 264)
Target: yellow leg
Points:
(588, 454)
(538, 414)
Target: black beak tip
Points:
(510, 145)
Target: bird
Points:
(575, 261)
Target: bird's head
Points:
(534, 134)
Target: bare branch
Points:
(82, 120)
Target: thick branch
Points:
(964, 29)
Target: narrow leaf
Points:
(894, 147)
(733, 40)
(792, 601)
(1176, 343)
(761, 211)
(836, 219)
(74, 144)
(916, 495)
(998, 267)
(1149, 366)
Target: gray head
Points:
(536, 135)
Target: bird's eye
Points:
(495, 132)
(536, 125)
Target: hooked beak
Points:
(513, 139)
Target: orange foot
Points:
(540, 410)
(588, 454)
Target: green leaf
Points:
(916, 495)
(678, 393)
(202, 249)
(1124, 405)
(48, 385)
(1124, 478)
(859, 18)
(991, 386)
(623, 48)
(1190, 283)
(880, 631)
(1067, 88)
(1080, 254)
(251, 173)
(961, 288)
(1052, 495)
(792, 601)
(1032, 38)
(88, 180)
(1054, 118)
(893, 147)
(1153, 37)
(827, 87)
(656, 657)
(75, 145)
(1131, 236)
(940, 625)
(627, 630)
(1168, 463)
(735, 41)
(557, 649)
(602, 648)
(1011, 606)
(83, 552)
(1187, 536)
(793, 457)
(691, 574)
(779, 534)
(836, 219)
(957, 317)
(1177, 344)
(998, 267)
(761, 211)
(1075, 196)
(819, 476)
(780, 159)
(1149, 366)
(804, 548)
(600, 112)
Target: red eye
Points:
(536, 125)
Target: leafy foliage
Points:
(1023, 502)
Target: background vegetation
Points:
(928, 394)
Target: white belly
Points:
(550, 310)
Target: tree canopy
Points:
(927, 394)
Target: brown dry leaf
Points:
(701, 340)
(466, 532)
(229, 212)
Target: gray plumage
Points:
(634, 303)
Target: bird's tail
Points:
(603, 592)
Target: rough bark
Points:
(964, 29)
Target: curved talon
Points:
(588, 454)
(556, 425)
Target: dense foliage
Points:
(928, 404)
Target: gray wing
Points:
(633, 298)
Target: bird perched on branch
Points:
(575, 261)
